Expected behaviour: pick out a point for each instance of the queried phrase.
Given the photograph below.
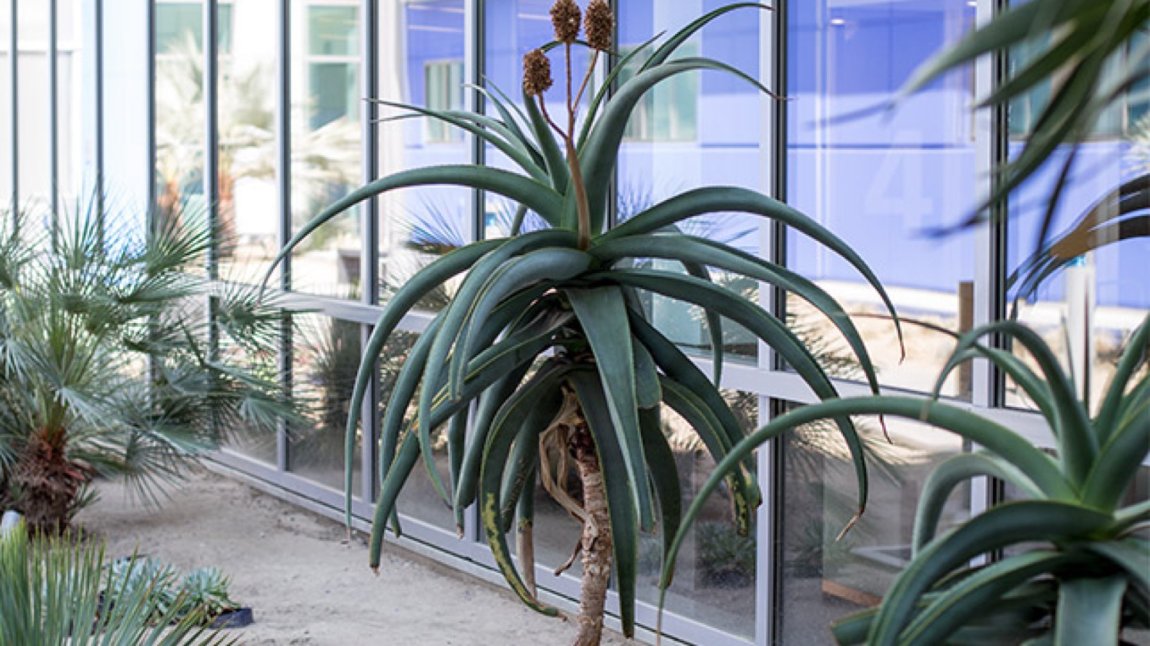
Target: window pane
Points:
(326, 145)
(249, 199)
(824, 579)
(1086, 309)
(697, 130)
(882, 181)
(179, 110)
(325, 359)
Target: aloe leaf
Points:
(538, 384)
(682, 370)
(1089, 611)
(705, 252)
(556, 161)
(1037, 466)
(667, 49)
(1078, 446)
(457, 312)
(435, 274)
(1118, 463)
(953, 472)
(511, 117)
(648, 393)
(702, 419)
(496, 448)
(519, 479)
(620, 494)
(607, 86)
(664, 474)
(539, 197)
(762, 325)
(1013, 522)
(1136, 353)
(603, 315)
(1131, 554)
(977, 594)
(405, 459)
(714, 324)
(487, 130)
(718, 199)
(600, 153)
(541, 265)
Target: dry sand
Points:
(306, 582)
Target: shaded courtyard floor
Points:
(306, 582)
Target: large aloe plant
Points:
(547, 333)
(1075, 569)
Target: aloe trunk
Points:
(595, 541)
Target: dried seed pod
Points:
(599, 24)
(536, 72)
(565, 17)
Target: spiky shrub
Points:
(106, 365)
(1076, 569)
(58, 591)
(547, 333)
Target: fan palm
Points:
(101, 371)
(548, 335)
(1077, 568)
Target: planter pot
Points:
(237, 618)
(9, 520)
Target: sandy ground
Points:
(306, 582)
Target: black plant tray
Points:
(237, 618)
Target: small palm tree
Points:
(547, 332)
(102, 370)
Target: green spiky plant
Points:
(1076, 568)
(104, 366)
(58, 591)
(548, 335)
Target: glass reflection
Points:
(883, 179)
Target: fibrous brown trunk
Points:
(47, 484)
(595, 540)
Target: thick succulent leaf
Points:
(761, 324)
(619, 488)
(953, 472)
(714, 324)
(512, 118)
(599, 155)
(648, 393)
(543, 381)
(707, 426)
(977, 594)
(1136, 354)
(676, 40)
(602, 313)
(664, 475)
(496, 449)
(1132, 554)
(1089, 611)
(680, 368)
(545, 139)
(458, 310)
(549, 265)
(719, 199)
(714, 254)
(1119, 462)
(486, 129)
(1078, 446)
(1002, 526)
(519, 478)
(1037, 466)
(456, 441)
(400, 469)
(609, 84)
(539, 197)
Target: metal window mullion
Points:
(283, 186)
(98, 46)
(474, 63)
(53, 117)
(369, 255)
(14, 91)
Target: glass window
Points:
(326, 107)
(444, 87)
(824, 579)
(881, 181)
(179, 105)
